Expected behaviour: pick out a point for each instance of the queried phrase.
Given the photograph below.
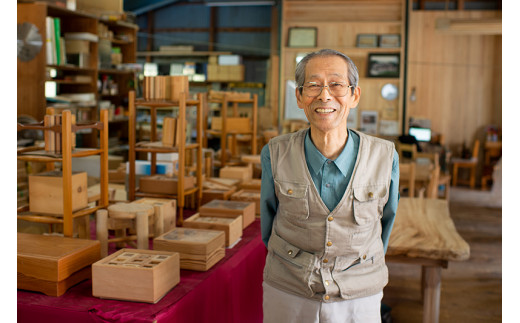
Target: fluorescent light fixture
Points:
(239, 3)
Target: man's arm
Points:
(268, 200)
(390, 209)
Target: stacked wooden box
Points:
(199, 249)
(136, 275)
(51, 264)
(248, 196)
(215, 188)
(232, 227)
(242, 173)
(230, 209)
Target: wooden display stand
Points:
(154, 147)
(36, 154)
(232, 227)
(232, 125)
(52, 265)
(136, 275)
(199, 249)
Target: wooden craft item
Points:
(180, 85)
(252, 185)
(136, 275)
(168, 209)
(168, 131)
(209, 195)
(161, 184)
(230, 209)
(233, 124)
(190, 241)
(248, 195)
(45, 262)
(191, 262)
(220, 183)
(46, 192)
(232, 227)
(242, 173)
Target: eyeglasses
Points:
(337, 89)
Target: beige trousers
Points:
(280, 306)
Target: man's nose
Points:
(325, 94)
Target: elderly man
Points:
(328, 203)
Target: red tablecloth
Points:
(229, 292)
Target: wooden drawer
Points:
(136, 275)
(232, 227)
(230, 209)
(46, 192)
(248, 196)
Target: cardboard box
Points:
(46, 192)
(232, 227)
(136, 275)
(249, 196)
(51, 264)
(242, 173)
(230, 209)
(160, 184)
(199, 249)
(168, 207)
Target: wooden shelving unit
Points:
(155, 147)
(226, 129)
(36, 154)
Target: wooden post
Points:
(158, 220)
(102, 231)
(141, 223)
(432, 293)
(131, 147)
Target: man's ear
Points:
(299, 98)
(355, 97)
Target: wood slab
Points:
(190, 241)
(54, 258)
(423, 228)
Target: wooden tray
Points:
(52, 288)
(232, 227)
(230, 209)
(136, 275)
(54, 258)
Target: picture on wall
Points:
(390, 41)
(383, 65)
(302, 37)
(368, 122)
(366, 40)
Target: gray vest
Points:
(324, 255)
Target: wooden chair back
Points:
(407, 178)
(476, 147)
(407, 151)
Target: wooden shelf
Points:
(182, 54)
(72, 68)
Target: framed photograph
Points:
(390, 41)
(366, 40)
(369, 122)
(383, 65)
(302, 37)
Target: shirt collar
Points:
(316, 160)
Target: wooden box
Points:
(169, 208)
(232, 227)
(51, 264)
(220, 183)
(160, 184)
(233, 124)
(242, 173)
(209, 195)
(249, 196)
(199, 249)
(230, 209)
(253, 184)
(46, 192)
(136, 275)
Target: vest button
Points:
(370, 194)
(327, 297)
(327, 282)
(289, 252)
(330, 218)
(289, 191)
(329, 243)
(325, 260)
(364, 257)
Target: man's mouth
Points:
(325, 110)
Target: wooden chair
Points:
(407, 152)
(407, 178)
(437, 179)
(469, 163)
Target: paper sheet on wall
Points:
(368, 122)
(388, 128)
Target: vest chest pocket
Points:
(293, 199)
(368, 203)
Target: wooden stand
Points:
(35, 154)
(154, 148)
(233, 125)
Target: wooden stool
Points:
(120, 217)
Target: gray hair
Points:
(353, 75)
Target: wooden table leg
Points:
(431, 293)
